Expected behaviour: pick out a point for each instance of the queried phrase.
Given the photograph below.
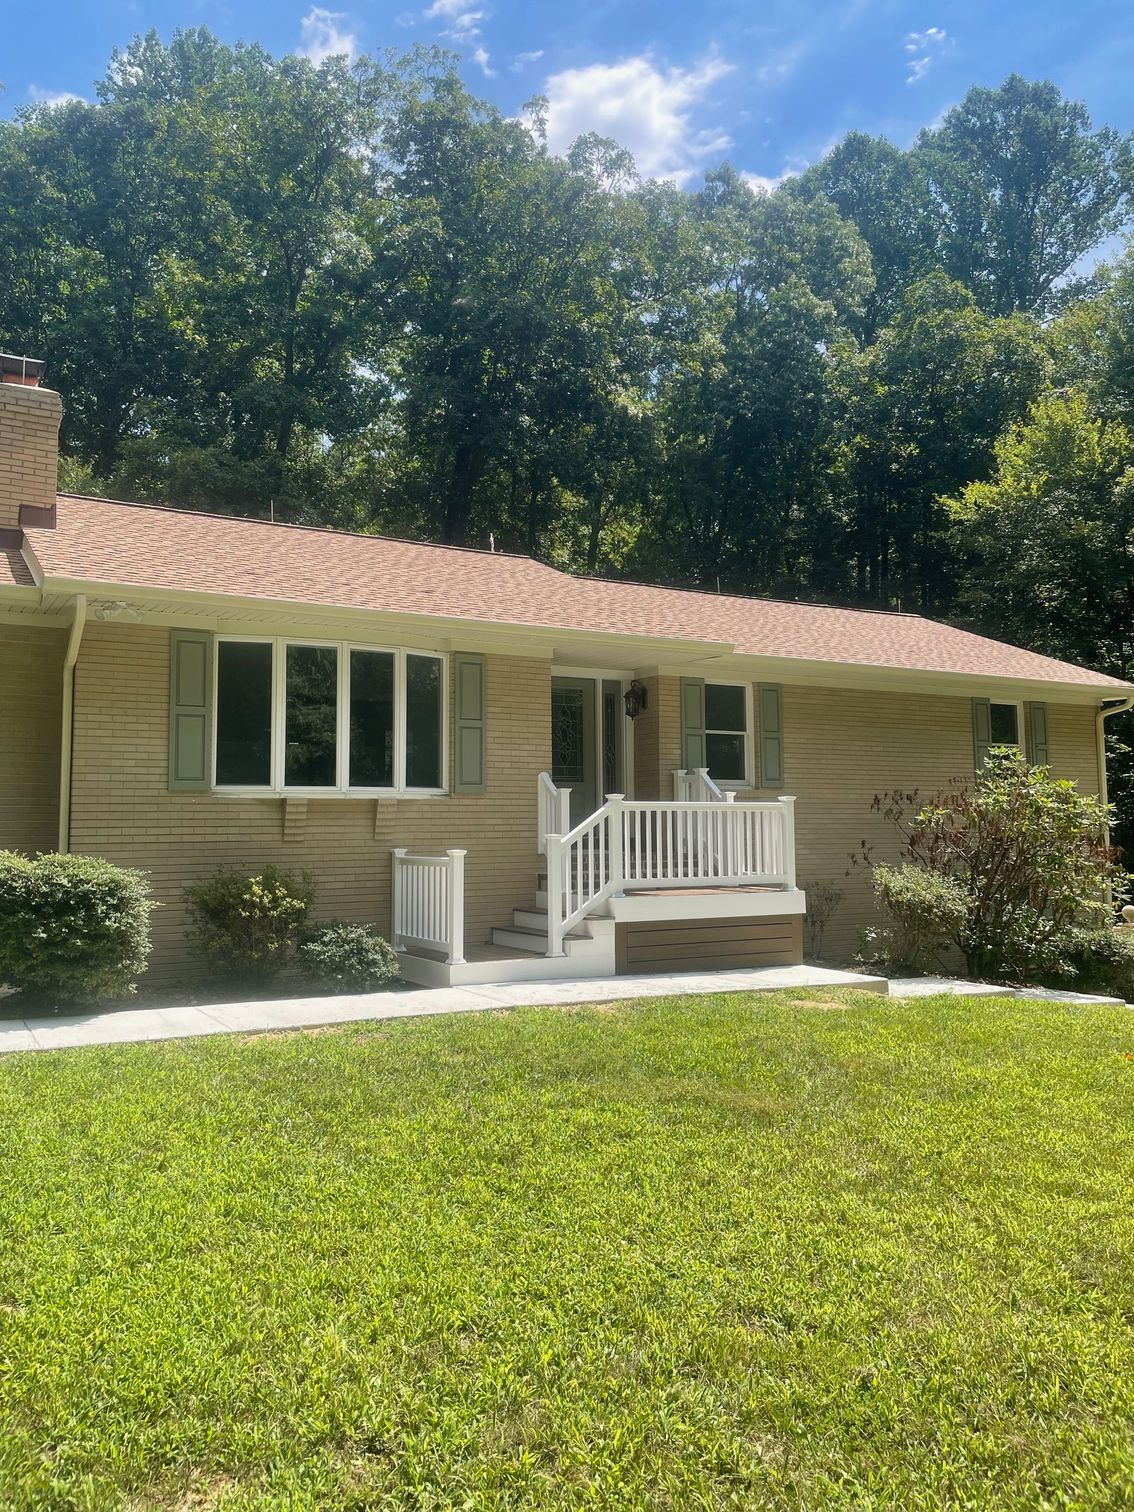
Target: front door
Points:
(573, 745)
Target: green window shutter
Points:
(692, 722)
(190, 708)
(1035, 722)
(770, 700)
(982, 730)
(471, 693)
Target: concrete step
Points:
(536, 918)
(534, 940)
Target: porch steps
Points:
(529, 930)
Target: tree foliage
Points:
(356, 295)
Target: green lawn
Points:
(802, 1251)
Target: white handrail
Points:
(554, 810)
(428, 905)
(643, 844)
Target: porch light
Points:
(636, 698)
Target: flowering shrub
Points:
(1027, 851)
(248, 927)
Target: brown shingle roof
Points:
(141, 546)
(14, 570)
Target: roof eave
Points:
(457, 627)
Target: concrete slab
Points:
(15, 1035)
(914, 987)
(143, 1024)
(933, 986)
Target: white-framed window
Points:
(307, 716)
(728, 728)
(1005, 723)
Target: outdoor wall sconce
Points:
(636, 698)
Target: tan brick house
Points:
(434, 733)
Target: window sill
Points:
(364, 794)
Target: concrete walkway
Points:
(126, 1025)
(933, 986)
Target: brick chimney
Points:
(29, 447)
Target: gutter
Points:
(78, 625)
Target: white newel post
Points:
(787, 807)
(396, 900)
(614, 850)
(563, 818)
(555, 909)
(456, 907)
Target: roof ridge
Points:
(330, 530)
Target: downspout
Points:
(78, 624)
(1120, 706)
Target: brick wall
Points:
(31, 697)
(29, 449)
(843, 746)
(122, 807)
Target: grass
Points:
(802, 1251)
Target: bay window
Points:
(296, 716)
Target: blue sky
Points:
(769, 85)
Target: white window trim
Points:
(1020, 742)
(276, 788)
(732, 784)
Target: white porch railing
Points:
(554, 810)
(631, 843)
(429, 903)
(696, 786)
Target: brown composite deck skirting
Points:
(708, 944)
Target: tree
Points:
(1047, 544)
(919, 415)
(767, 284)
(1023, 188)
(883, 191)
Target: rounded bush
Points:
(76, 928)
(349, 958)
(247, 927)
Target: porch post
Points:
(396, 880)
(555, 909)
(787, 809)
(615, 857)
(456, 954)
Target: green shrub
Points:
(924, 911)
(1103, 961)
(247, 928)
(349, 957)
(75, 928)
(1027, 850)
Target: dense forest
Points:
(357, 295)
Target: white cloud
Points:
(521, 60)
(462, 16)
(920, 47)
(759, 183)
(933, 36)
(321, 36)
(53, 96)
(642, 108)
(480, 56)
